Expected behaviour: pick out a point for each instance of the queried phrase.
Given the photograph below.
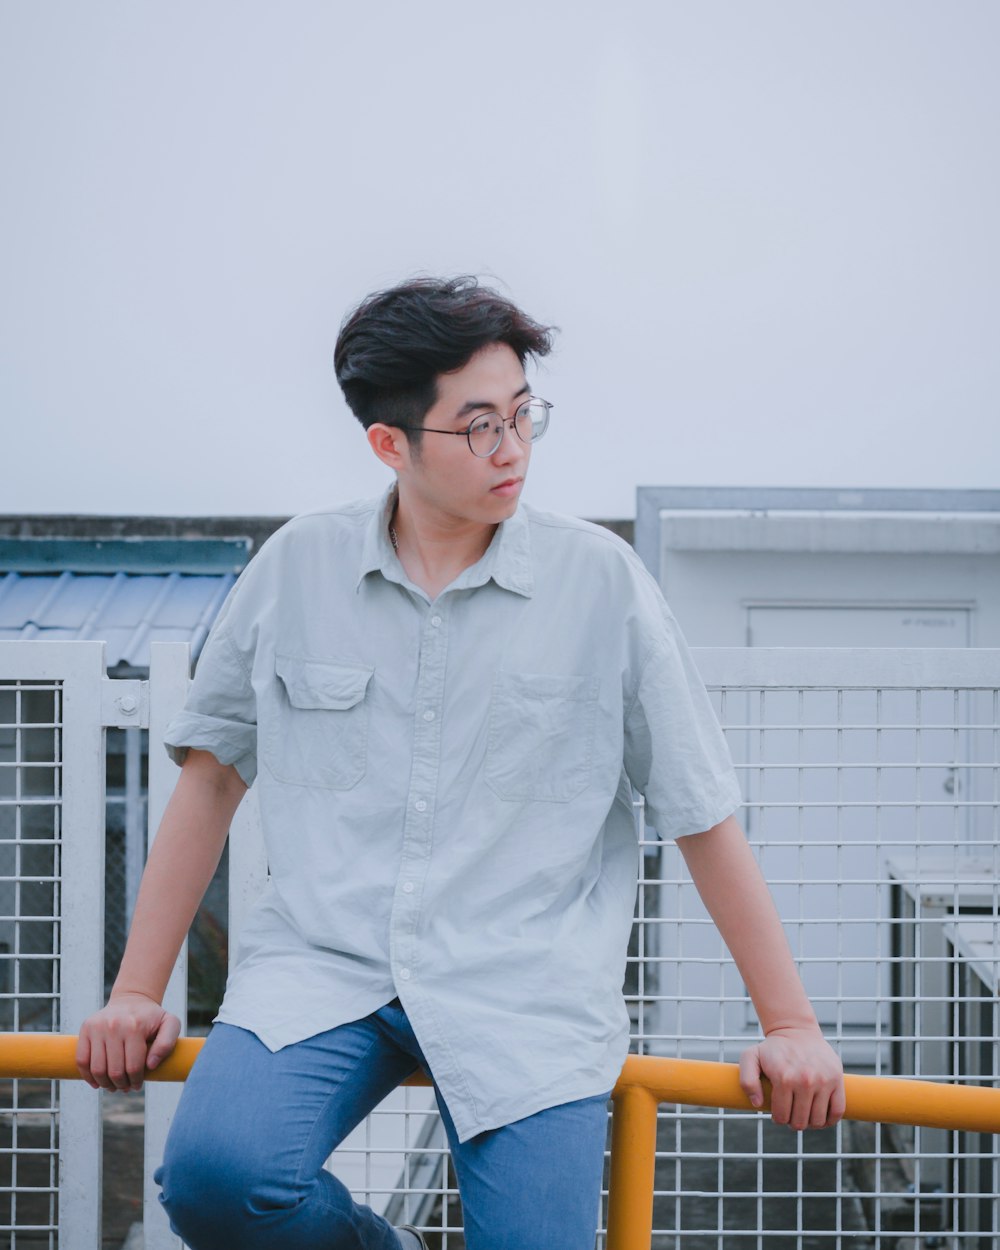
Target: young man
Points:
(447, 699)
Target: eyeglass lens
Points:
(530, 423)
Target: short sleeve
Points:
(220, 713)
(675, 753)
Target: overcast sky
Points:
(767, 231)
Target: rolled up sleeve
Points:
(220, 713)
(676, 755)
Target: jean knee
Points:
(222, 1198)
(208, 1189)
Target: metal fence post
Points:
(169, 668)
(81, 914)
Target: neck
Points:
(434, 551)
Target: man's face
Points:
(443, 476)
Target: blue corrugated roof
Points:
(128, 611)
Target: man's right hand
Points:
(118, 1043)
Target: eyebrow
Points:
(474, 405)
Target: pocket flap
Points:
(321, 684)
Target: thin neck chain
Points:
(393, 539)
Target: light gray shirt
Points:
(446, 793)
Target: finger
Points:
(809, 1109)
(135, 1061)
(803, 1110)
(117, 1073)
(164, 1041)
(750, 1077)
(82, 1059)
(837, 1107)
(819, 1114)
(99, 1066)
(829, 1105)
(781, 1104)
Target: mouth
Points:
(508, 487)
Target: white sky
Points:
(767, 230)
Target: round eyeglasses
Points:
(485, 433)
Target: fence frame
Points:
(78, 668)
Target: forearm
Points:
(725, 871)
(182, 861)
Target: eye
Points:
(482, 425)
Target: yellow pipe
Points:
(633, 1169)
(52, 1057)
(645, 1082)
(694, 1082)
(877, 1099)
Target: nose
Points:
(512, 446)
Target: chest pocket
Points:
(541, 736)
(318, 735)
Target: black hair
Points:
(393, 346)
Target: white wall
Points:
(766, 228)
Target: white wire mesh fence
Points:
(872, 782)
(30, 870)
(872, 785)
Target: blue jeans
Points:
(243, 1167)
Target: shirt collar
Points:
(507, 560)
(377, 555)
(508, 557)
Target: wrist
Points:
(785, 1025)
(119, 992)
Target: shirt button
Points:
(407, 887)
(421, 805)
(404, 974)
(435, 621)
(428, 715)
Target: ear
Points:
(390, 444)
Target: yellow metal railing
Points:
(645, 1082)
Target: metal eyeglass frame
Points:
(467, 432)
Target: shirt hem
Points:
(557, 1098)
(287, 1032)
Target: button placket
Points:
(418, 822)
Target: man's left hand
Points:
(806, 1076)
